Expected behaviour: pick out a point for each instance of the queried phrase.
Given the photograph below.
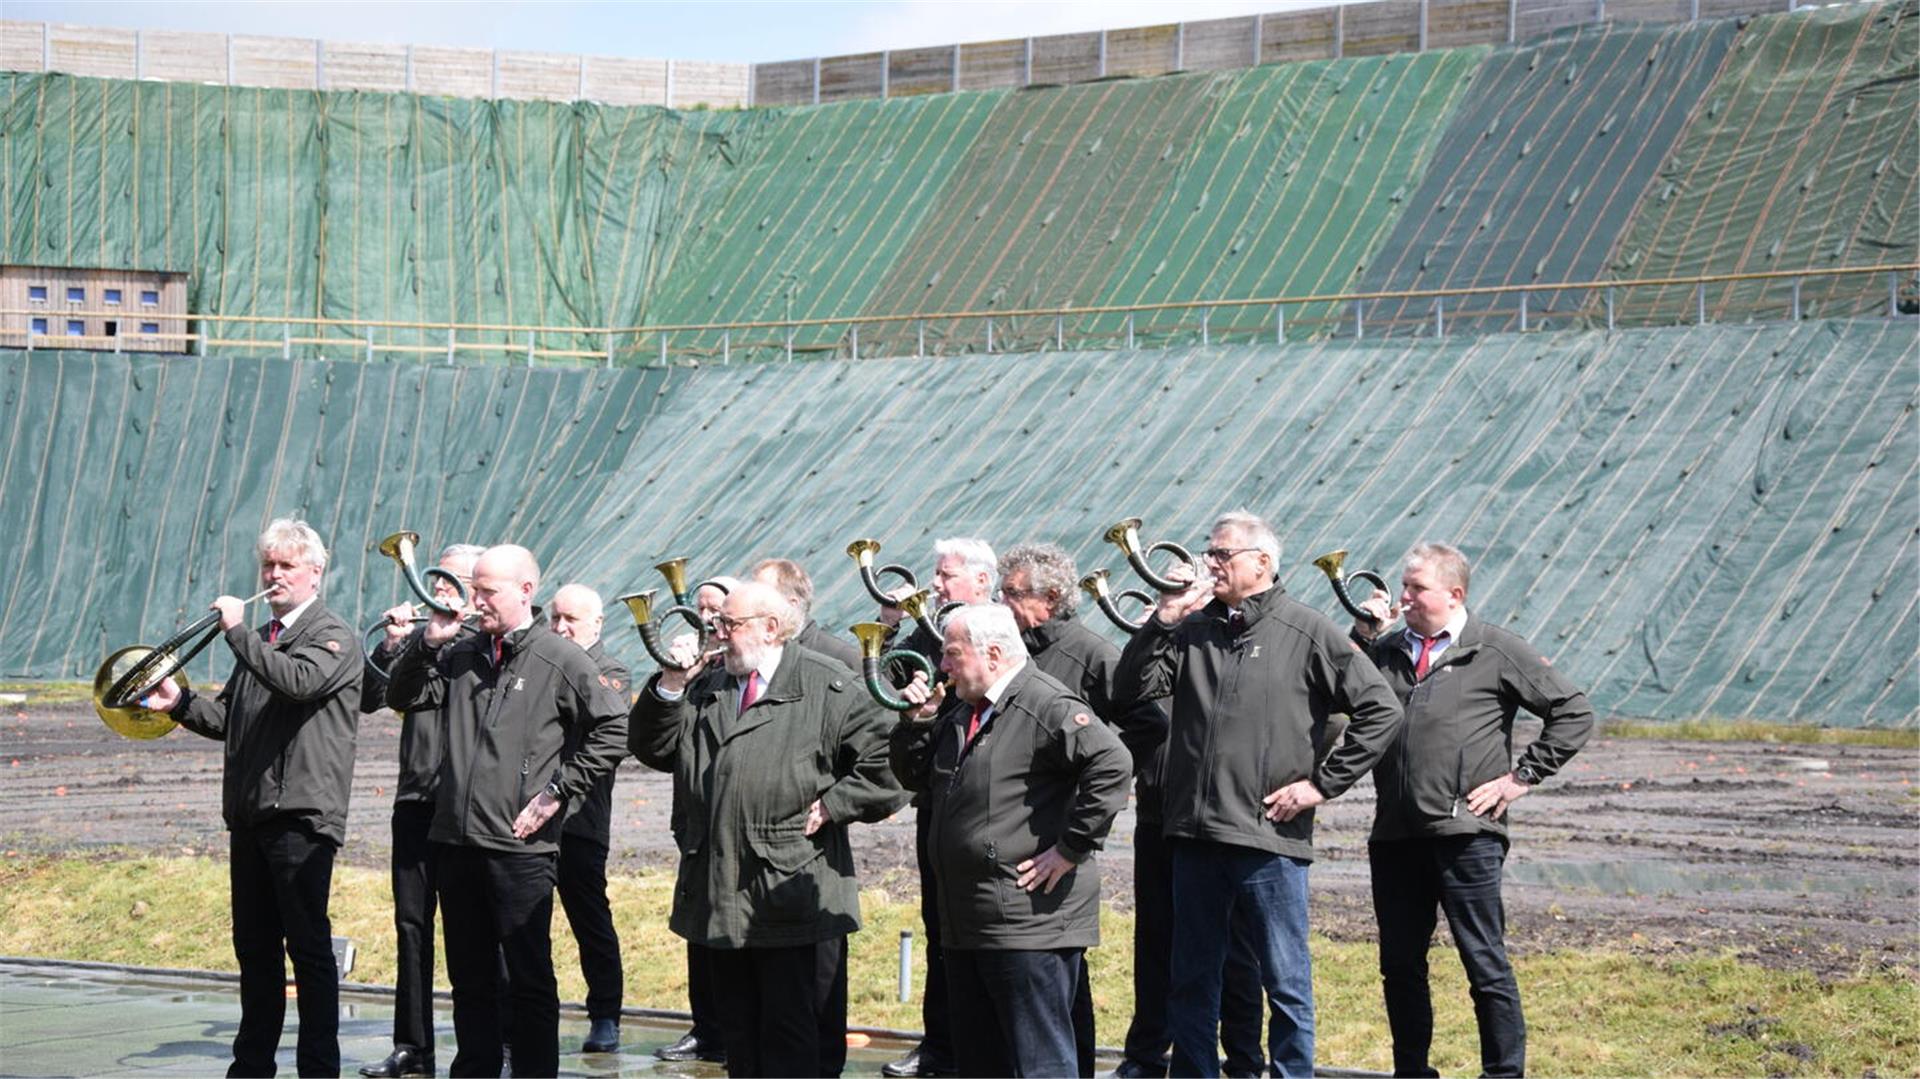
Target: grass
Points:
(1590, 1011)
(51, 692)
(1748, 730)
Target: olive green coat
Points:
(742, 782)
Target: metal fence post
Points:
(1523, 312)
(789, 344)
(449, 344)
(663, 348)
(609, 352)
(286, 342)
(1279, 324)
(1359, 324)
(1439, 317)
(1609, 309)
(369, 346)
(919, 337)
(853, 338)
(1206, 336)
(1060, 333)
(1700, 303)
(1796, 299)
(1129, 329)
(726, 346)
(906, 965)
(1893, 294)
(989, 336)
(529, 348)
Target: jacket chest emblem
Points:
(1253, 652)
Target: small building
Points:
(109, 310)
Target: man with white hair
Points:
(774, 752)
(529, 728)
(1022, 783)
(578, 614)
(412, 855)
(964, 571)
(289, 715)
(1254, 678)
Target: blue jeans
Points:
(1218, 889)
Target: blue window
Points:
(40, 326)
(76, 294)
(150, 297)
(113, 297)
(37, 293)
(76, 328)
(149, 327)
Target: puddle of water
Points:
(1668, 878)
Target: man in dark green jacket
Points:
(773, 755)
(1022, 783)
(1254, 678)
(1439, 838)
(289, 716)
(529, 728)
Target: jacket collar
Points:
(306, 617)
(785, 685)
(1251, 608)
(1047, 634)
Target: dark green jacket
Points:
(1250, 714)
(742, 783)
(1084, 661)
(814, 638)
(1043, 772)
(1459, 729)
(543, 717)
(289, 715)
(590, 816)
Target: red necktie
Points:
(973, 724)
(273, 631)
(1426, 649)
(497, 649)
(752, 692)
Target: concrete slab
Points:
(82, 1019)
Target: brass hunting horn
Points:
(1095, 584)
(1126, 536)
(640, 605)
(128, 675)
(400, 547)
(920, 606)
(1330, 564)
(863, 551)
(873, 638)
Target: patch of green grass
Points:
(1747, 730)
(1589, 1011)
(51, 692)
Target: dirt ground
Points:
(1796, 856)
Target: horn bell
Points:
(399, 546)
(1330, 563)
(133, 721)
(675, 571)
(873, 639)
(863, 550)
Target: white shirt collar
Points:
(287, 620)
(999, 688)
(769, 663)
(1452, 631)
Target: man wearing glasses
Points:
(1253, 676)
(773, 754)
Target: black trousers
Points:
(495, 904)
(701, 996)
(1241, 996)
(583, 894)
(1460, 875)
(413, 906)
(777, 1005)
(936, 1045)
(281, 874)
(1013, 1010)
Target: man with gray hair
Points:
(577, 614)
(1461, 681)
(1022, 783)
(1254, 678)
(790, 580)
(412, 855)
(529, 728)
(964, 571)
(773, 754)
(289, 716)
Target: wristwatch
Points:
(1528, 774)
(553, 790)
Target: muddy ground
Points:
(1796, 856)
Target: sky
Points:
(752, 31)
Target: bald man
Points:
(529, 728)
(577, 614)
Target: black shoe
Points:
(917, 1062)
(602, 1037)
(1133, 1069)
(692, 1048)
(401, 1061)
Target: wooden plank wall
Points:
(1359, 29)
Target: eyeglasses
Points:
(1223, 554)
(725, 624)
(1022, 593)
